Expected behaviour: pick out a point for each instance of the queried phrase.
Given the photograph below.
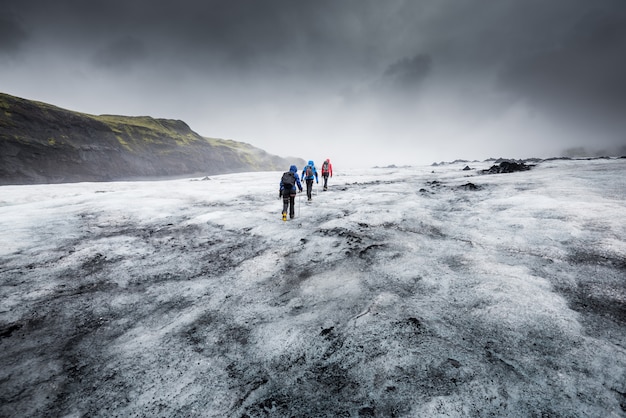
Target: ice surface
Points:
(398, 292)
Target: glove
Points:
(317, 182)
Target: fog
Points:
(364, 83)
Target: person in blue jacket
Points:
(309, 174)
(288, 191)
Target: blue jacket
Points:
(294, 170)
(313, 176)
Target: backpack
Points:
(325, 167)
(309, 171)
(288, 180)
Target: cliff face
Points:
(40, 143)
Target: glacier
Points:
(399, 292)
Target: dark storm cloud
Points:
(280, 36)
(584, 71)
(120, 54)
(240, 34)
(366, 69)
(12, 35)
(408, 72)
(464, 37)
(399, 85)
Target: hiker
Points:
(288, 191)
(309, 173)
(327, 169)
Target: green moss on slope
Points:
(44, 143)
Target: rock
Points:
(507, 167)
(469, 186)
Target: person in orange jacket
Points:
(327, 170)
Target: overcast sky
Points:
(363, 82)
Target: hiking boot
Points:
(284, 216)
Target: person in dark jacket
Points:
(309, 174)
(327, 169)
(288, 183)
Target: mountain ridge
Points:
(43, 143)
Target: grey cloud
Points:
(120, 54)
(408, 72)
(397, 87)
(303, 36)
(279, 35)
(12, 35)
(587, 66)
(407, 68)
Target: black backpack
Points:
(325, 167)
(289, 180)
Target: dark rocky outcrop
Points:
(507, 167)
(41, 143)
(469, 186)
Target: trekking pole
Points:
(299, 195)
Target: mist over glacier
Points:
(414, 291)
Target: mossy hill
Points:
(41, 143)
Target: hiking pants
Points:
(309, 188)
(325, 175)
(289, 202)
